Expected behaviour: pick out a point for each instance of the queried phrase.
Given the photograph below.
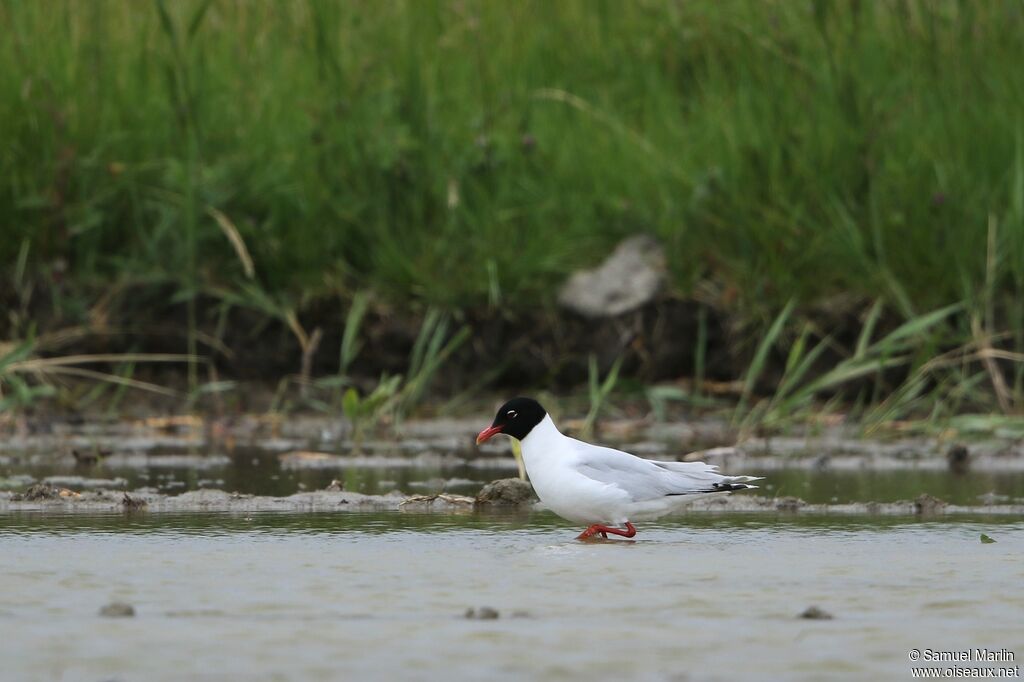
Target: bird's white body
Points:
(591, 484)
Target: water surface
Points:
(382, 596)
(261, 473)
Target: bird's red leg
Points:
(604, 530)
(593, 530)
(628, 533)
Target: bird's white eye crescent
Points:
(511, 414)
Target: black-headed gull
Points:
(600, 486)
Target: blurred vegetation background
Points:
(821, 175)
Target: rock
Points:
(629, 278)
(814, 613)
(45, 491)
(117, 609)
(927, 505)
(90, 456)
(789, 504)
(483, 613)
(959, 458)
(506, 492)
(40, 491)
(131, 503)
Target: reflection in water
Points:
(839, 486)
(381, 596)
(260, 473)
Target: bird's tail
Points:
(736, 483)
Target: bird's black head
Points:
(515, 418)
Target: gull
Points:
(600, 486)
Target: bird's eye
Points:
(511, 414)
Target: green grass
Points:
(470, 154)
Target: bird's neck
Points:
(541, 439)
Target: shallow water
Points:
(261, 473)
(381, 596)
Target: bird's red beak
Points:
(487, 433)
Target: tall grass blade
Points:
(757, 364)
(868, 330)
(237, 243)
(350, 345)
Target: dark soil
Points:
(512, 349)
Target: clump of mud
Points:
(482, 613)
(43, 498)
(132, 503)
(927, 505)
(506, 492)
(814, 613)
(117, 609)
(789, 504)
(45, 491)
(959, 459)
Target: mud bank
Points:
(196, 441)
(64, 501)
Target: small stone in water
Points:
(117, 609)
(129, 502)
(788, 504)
(959, 459)
(506, 491)
(40, 491)
(928, 505)
(814, 613)
(483, 613)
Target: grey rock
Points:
(117, 609)
(506, 492)
(959, 458)
(927, 505)
(41, 491)
(789, 504)
(629, 278)
(131, 503)
(482, 613)
(814, 613)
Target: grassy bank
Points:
(468, 155)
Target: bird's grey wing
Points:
(641, 479)
(703, 475)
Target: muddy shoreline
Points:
(325, 501)
(91, 467)
(708, 438)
